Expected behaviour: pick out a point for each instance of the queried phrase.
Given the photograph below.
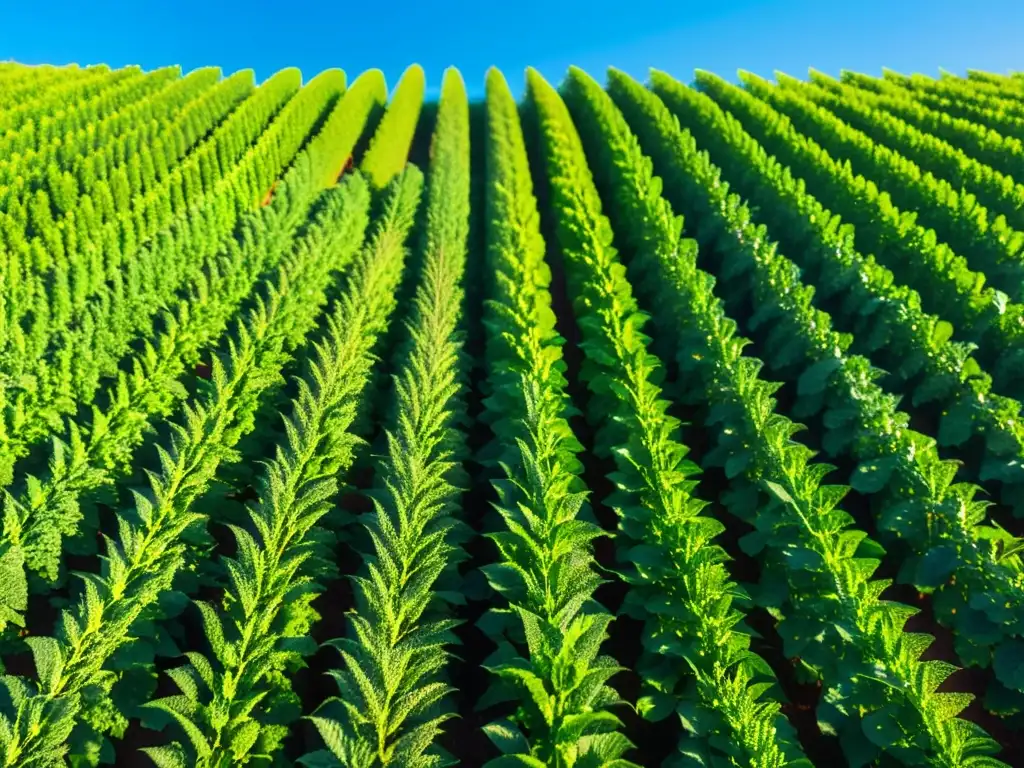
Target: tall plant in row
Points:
(392, 695)
(698, 660)
(878, 693)
(545, 572)
(231, 699)
(49, 167)
(389, 149)
(938, 526)
(23, 83)
(1007, 90)
(69, 703)
(1010, 86)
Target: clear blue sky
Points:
(723, 36)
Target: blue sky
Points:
(759, 35)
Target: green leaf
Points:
(507, 737)
(515, 761)
(815, 379)
(49, 660)
(937, 565)
(803, 559)
(656, 706)
(13, 585)
(754, 542)
(882, 728)
(319, 759)
(942, 332)
(645, 554)
(693, 717)
(1008, 664)
(779, 492)
(872, 476)
(956, 425)
(172, 756)
(736, 463)
(797, 632)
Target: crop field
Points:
(621, 424)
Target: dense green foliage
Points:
(912, 489)
(390, 706)
(674, 562)
(311, 457)
(389, 148)
(833, 615)
(227, 701)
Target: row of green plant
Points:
(1002, 195)
(817, 568)
(1004, 153)
(32, 126)
(236, 700)
(91, 673)
(959, 99)
(393, 695)
(948, 287)
(937, 526)
(697, 660)
(57, 362)
(988, 246)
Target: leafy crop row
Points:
(26, 84)
(965, 100)
(1001, 194)
(53, 242)
(40, 167)
(391, 684)
(916, 501)
(1004, 153)
(544, 573)
(81, 345)
(1011, 86)
(959, 220)
(38, 519)
(310, 457)
(681, 585)
(231, 698)
(387, 153)
(878, 694)
(885, 318)
(70, 702)
(32, 125)
(1010, 90)
(914, 254)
